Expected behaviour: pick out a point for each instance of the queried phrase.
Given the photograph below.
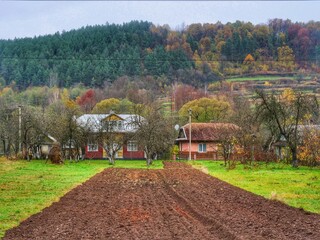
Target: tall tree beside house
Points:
(61, 124)
(110, 136)
(285, 116)
(244, 117)
(227, 134)
(155, 133)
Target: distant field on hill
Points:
(259, 78)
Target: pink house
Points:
(205, 139)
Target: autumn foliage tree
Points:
(114, 104)
(184, 93)
(286, 61)
(206, 110)
(106, 105)
(87, 101)
(309, 151)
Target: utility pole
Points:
(253, 136)
(20, 127)
(190, 112)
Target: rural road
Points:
(177, 202)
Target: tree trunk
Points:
(149, 158)
(149, 161)
(294, 157)
(111, 159)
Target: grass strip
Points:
(298, 188)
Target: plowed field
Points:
(177, 202)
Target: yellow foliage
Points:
(5, 90)
(197, 60)
(309, 152)
(288, 95)
(206, 110)
(106, 105)
(248, 59)
(65, 96)
(71, 104)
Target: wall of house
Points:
(184, 146)
(211, 153)
(126, 154)
(132, 155)
(94, 154)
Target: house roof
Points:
(94, 121)
(206, 131)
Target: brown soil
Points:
(175, 203)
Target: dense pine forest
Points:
(96, 56)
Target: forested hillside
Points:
(197, 54)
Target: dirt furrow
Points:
(213, 226)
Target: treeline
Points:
(97, 55)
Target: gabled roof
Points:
(206, 131)
(95, 121)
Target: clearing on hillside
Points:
(177, 202)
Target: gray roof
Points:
(93, 121)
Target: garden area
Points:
(28, 187)
(174, 202)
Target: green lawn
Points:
(296, 187)
(28, 187)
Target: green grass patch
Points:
(258, 78)
(28, 187)
(299, 188)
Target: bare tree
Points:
(111, 135)
(155, 132)
(31, 130)
(284, 115)
(9, 129)
(61, 124)
(250, 137)
(228, 144)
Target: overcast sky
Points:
(32, 18)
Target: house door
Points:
(119, 154)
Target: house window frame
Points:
(202, 147)
(132, 146)
(93, 147)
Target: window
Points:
(92, 147)
(114, 125)
(202, 147)
(120, 125)
(111, 125)
(132, 146)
